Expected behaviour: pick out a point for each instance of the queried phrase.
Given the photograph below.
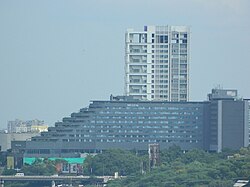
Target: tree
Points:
(8, 171)
(172, 153)
(111, 161)
(193, 168)
(3, 160)
(40, 167)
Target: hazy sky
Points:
(57, 55)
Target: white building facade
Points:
(20, 126)
(157, 63)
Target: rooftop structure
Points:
(218, 94)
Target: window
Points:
(135, 60)
(175, 41)
(162, 39)
(184, 41)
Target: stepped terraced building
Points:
(127, 123)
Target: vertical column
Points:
(219, 131)
(246, 124)
(53, 184)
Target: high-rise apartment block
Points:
(157, 63)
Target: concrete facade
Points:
(127, 123)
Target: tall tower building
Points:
(157, 63)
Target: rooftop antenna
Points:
(218, 86)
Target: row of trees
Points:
(193, 168)
(39, 167)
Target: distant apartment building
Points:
(19, 130)
(127, 123)
(20, 126)
(7, 138)
(157, 63)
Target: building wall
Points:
(228, 127)
(212, 128)
(6, 138)
(233, 124)
(247, 118)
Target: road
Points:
(52, 178)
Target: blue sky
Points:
(57, 55)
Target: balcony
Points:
(138, 81)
